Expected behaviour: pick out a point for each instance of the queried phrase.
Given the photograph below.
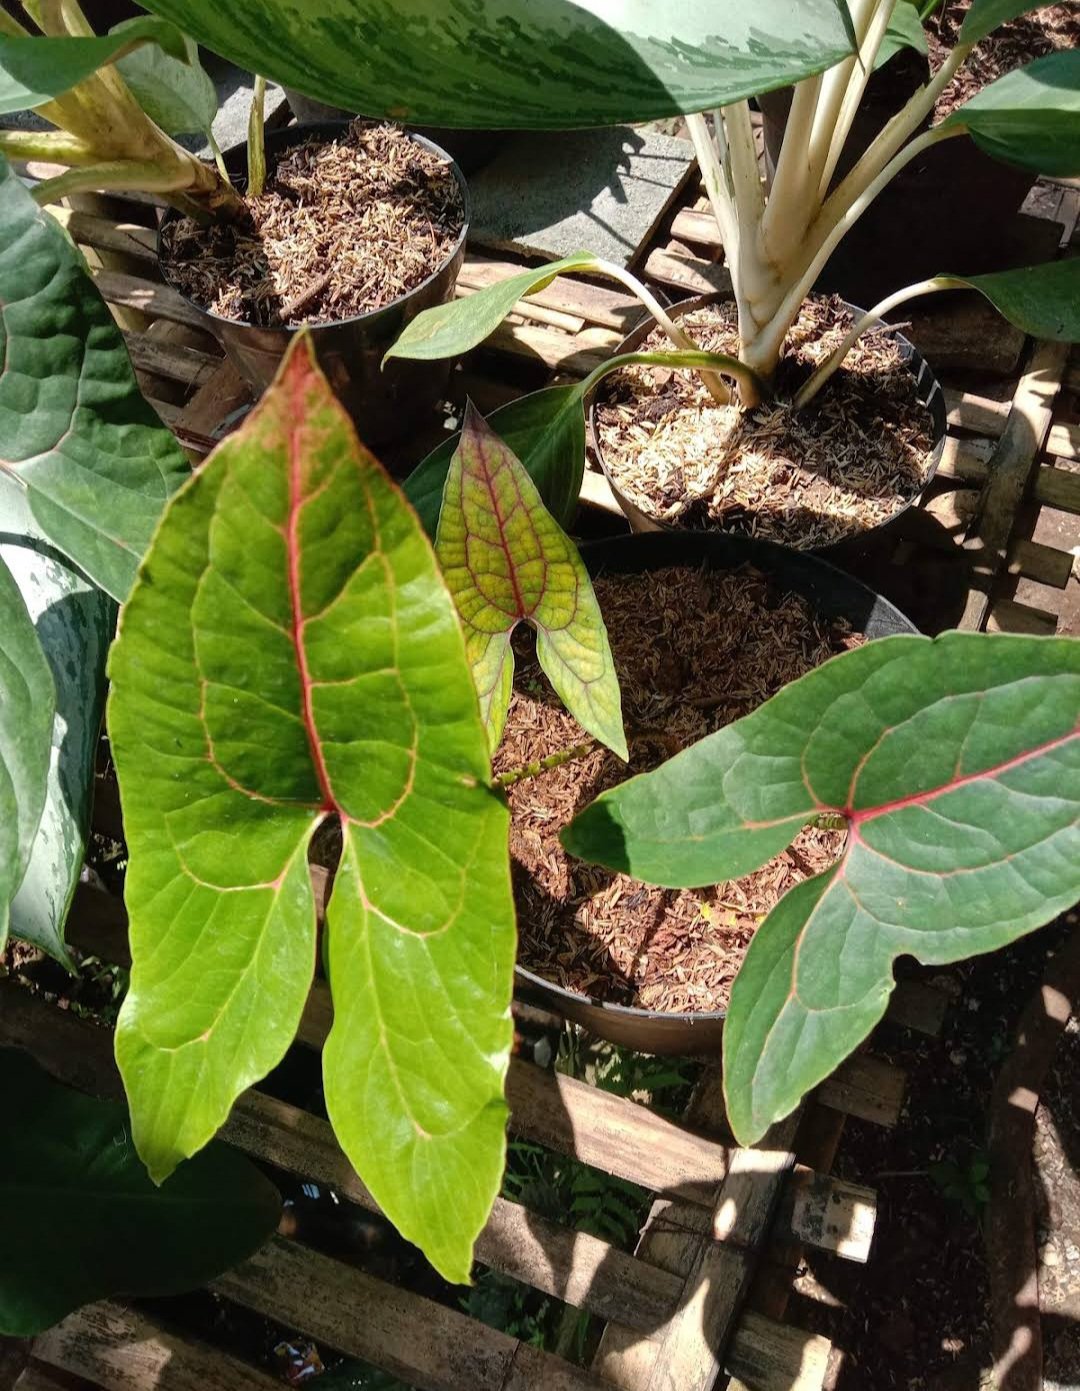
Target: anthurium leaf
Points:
(1031, 116)
(546, 65)
(33, 70)
(73, 621)
(82, 1220)
(290, 652)
(27, 705)
(507, 561)
(985, 15)
(1042, 300)
(92, 458)
(179, 96)
(905, 31)
(956, 762)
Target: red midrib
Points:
(858, 817)
(497, 512)
(292, 550)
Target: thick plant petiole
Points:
(257, 139)
(751, 387)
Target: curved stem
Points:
(544, 765)
(219, 158)
(834, 85)
(853, 95)
(750, 384)
(118, 174)
(869, 320)
(55, 146)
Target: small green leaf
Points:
(984, 16)
(1042, 300)
(291, 652)
(82, 1220)
(448, 330)
(507, 561)
(905, 31)
(34, 70)
(179, 96)
(27, 706)
(956, 762)
(1030, 117)
(92, 458)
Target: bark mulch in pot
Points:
(342, 228)
(694, 650)
(851, 460)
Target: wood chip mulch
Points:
(341, 229)
(852, 459)
(694, 650)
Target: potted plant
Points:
(351, 228)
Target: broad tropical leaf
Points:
(27, 705)
(956, 763)
(33, 70)
(95, 463)
(507, 561)
(291, 652)
(73, 621)
(82, 1220)
(905, 31)
(179, 96)
(984, 16)
(1031, 116)
(1042, 300)
(545, 65)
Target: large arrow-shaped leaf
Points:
(546, 64)
(956, 763)
(27, 704)
(1030, 117)
(76, 436)
(1042, 300)
(507, 561)
(82, 1220)
(289, 652)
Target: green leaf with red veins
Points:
(507, 561)
(956, 763)
(289, 652)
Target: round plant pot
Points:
(471, 148)
(384, 404)
(928, 391)
(832, 594)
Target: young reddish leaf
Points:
(289, 652)
(956, 763)
(507, 561)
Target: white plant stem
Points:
(870, 320)
(834, 84)
(789, 207)
(855, 91)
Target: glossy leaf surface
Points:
(79, 441)
(1031, 116)
(290, 652)
(956, 763)
(178, 96)
(1042, 300)
(27, 704)
(985, 15)
(548, 64)
(507, 561)
(905, 31)
(83, 1221)
(34, 70)
(73, 622)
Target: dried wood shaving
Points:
(694, 650)
(340, 229)
(851, 460)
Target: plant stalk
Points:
(512, 776)
(854, 92)
(257, 139)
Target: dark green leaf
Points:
(956, 763)
(93, 459)
(1031, 116)
(905, 31)
(290, 652)
(82, 1220)
(178, 96)
(34, 70)
(985, 15)
(27, 704)
(543, 65)
(1042, 300)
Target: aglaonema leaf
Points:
(956, 764)
(1042, 300)
(905, 31)
(35, 69)
(290, 652)
(984, 16)
(82, 1219)
(79, 441)
(27, 706)
(544, 65)
(507, 561)
(1030, 116)
(178, 96)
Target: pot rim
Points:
(576, 999)
(930, 395)
(295, 134)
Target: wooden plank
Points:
(1064, 440)
(187, 365)
(1057, 487)
(866, 1087)
(121, 1350)
(159, 301)
(595, 305)
(424, 1343)
(1007, 616)
(770, 1356)
(688, 274)
(967, 460)
(106, 234)
(596, 492)
(576, 354)
(1034, 561)
(980, 414)
(698, 227)
(918, 1006)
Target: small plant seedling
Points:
(966, 1184)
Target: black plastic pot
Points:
(928, 390)
(833, 594)
(385, 404)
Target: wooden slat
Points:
(698, 227)
(966, 459)
(1064, 440)
(160, 301)
(1007, 616)
(786, 1360)
(566, 294)
(1045, 564)
(918, 1006)
(866, 1087)
(1057, 487)
(687, 274)
(980, 414)
(829, 1214)
(121, 1350)
(187, 365)
(105, 234)
(576, 354)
